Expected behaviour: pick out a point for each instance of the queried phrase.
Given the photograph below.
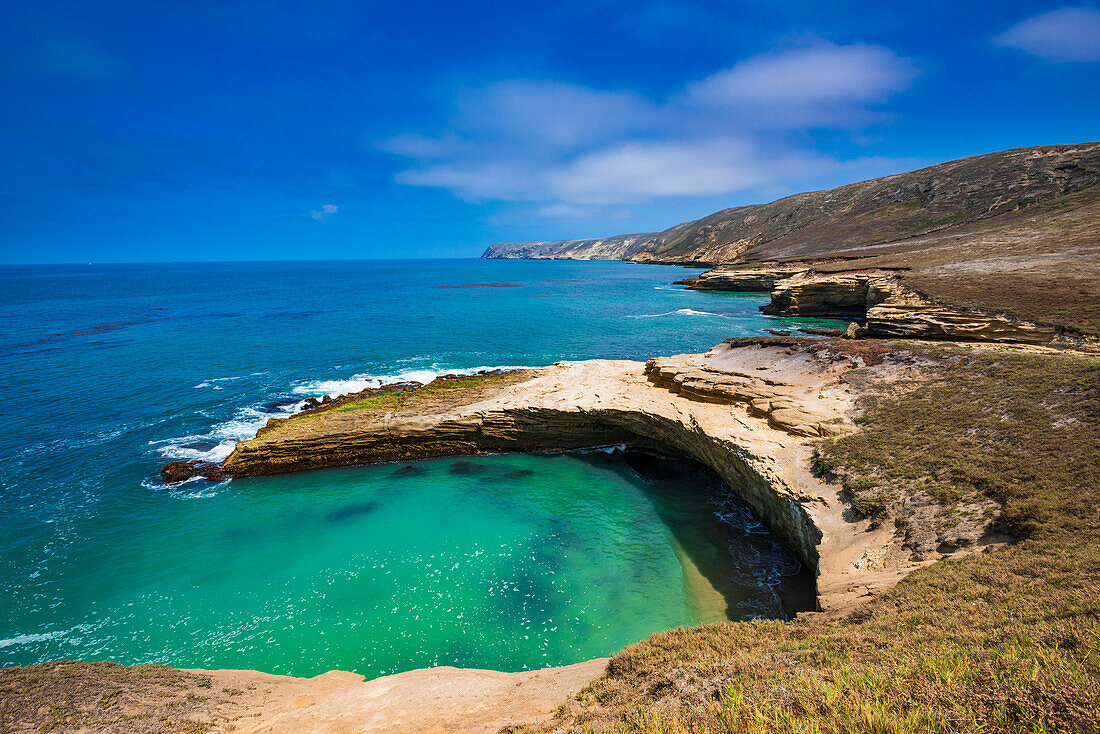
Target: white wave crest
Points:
(356, 383)
(212, 382)
(216, 445)
(677, 312)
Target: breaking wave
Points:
(218, 443)
(677, 312)
(367, 381)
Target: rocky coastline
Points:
(998, 247)
(956, 254)
(750, 409)
(883, 305)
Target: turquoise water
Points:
(506, 562)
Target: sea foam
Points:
(216, 445)
(40, 637)
(360, 382)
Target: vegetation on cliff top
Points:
(999, 641)
(106, 697)
(450, 389)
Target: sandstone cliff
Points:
(885, 305)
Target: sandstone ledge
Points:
(73, 696)
(886, 306)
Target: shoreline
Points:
(750, 409)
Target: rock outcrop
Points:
(896, 311)
(837, 295)
(180, 471)
(568, 405)
(786, 407)
(743, 279)
(889, 309)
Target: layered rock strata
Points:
(786, 407)
(886, 307)
(747, 280)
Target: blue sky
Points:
(275, 131)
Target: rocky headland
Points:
(745, 409)
(942, 490)
(1003, 246)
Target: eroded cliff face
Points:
(837, 295)
(897, 311)
(747, 280)
(569, 405)
(607, 248)
(750, 409)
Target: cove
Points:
(506, 562)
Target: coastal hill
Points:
(978, 232)
(943, 494)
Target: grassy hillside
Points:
(845, 220)
(1016, 231)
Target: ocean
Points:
(507, 562)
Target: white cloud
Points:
(1067, 34)
(814, 79)
(326, 211)
(551, 115)
(478, 178)
(640, 171)
(571, 148)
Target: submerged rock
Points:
(180, 471)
